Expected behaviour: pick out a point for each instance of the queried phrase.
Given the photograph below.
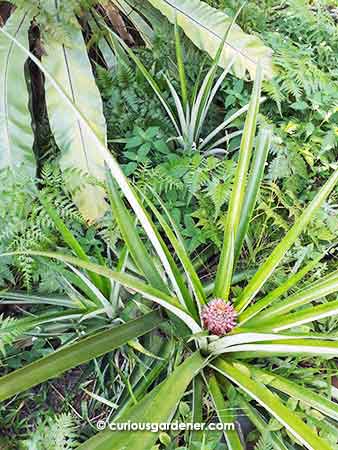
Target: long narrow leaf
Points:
(224, 414)
(274, 405)
(250, 312)
(261, 424)
(296, 319)
(147, 76)
(181, 69)
(130, 282)
(179, 248)
(151, 409)
(147, 378)
(237, 196)
(255, 177)
(285, 348)
(277, 255)
(253, 415)
(58, 362)
(18, 297)
(130, 235)
(185, 296)
(221, 345)
(69, 238)
(197, 409)
(296, 391)
(303, 297)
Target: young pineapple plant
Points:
(223, 334)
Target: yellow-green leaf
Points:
(206, 27)
(16, 135)
(71, 68)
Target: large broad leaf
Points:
(58, 362)
(71, 68)
(16, 135)
(156, 407)
(206, 27)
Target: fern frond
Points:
(54, 433)
(10, 330)
(265, 443)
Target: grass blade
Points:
(181, 69)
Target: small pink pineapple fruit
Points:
(219, 317)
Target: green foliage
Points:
(10, 329)
(54, 433)
(56, 27)
(195, 188)
(25, 224)
(302, 97)
(129, 102)
(144, 147)
(265, 443)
